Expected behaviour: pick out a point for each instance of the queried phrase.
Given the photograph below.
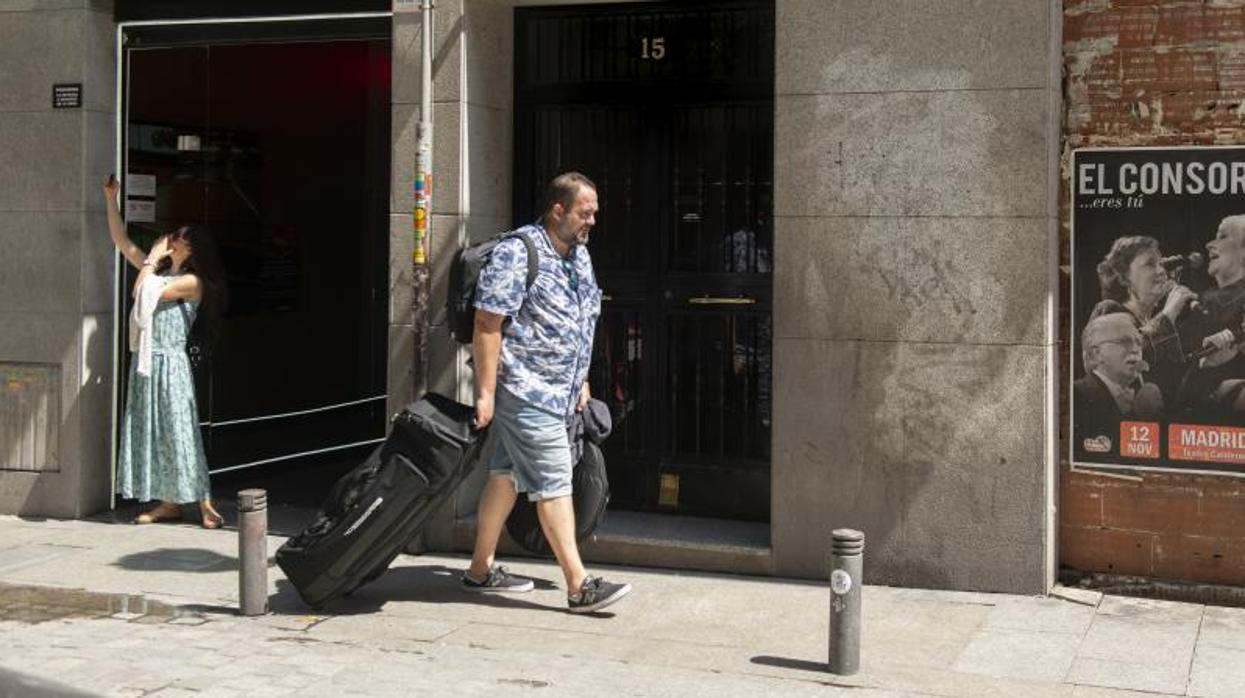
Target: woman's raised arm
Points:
(116, 227)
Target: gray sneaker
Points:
(497, 581)
(595, 594)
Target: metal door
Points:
(669, 108)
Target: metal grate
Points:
(29, 417)
(719, 386)
(669, 108)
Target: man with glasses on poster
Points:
(1113, 388)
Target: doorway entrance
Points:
(275, 136)
(668, 107)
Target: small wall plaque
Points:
(67, 96)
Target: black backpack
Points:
(460, 312)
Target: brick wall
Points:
(1151, 72)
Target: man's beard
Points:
(574, 238)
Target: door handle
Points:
(721, 300)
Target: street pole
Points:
(253, 552)
(846, 565)
(420, 277)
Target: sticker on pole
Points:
(840, 582)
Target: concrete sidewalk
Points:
(160, 622)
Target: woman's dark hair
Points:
(204, 262)
(1113, 269)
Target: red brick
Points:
(1188, 111)
(1073, 5)
(1128, 26)
(1106, 550)
(1200, 559)
(1231, 70)
(1179, 70)
(1149, 510)
(1219, 517)
(1080, 505)
(1194, 24)
(1094, 72)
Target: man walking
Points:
(532, 348)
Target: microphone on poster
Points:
(1193, 260)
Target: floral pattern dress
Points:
(161, 446)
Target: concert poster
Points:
(1158, 309)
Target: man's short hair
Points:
(564, 188)
(1091, 336)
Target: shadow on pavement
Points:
(435, 584)
(178, 560)
(20, 685)
(788, 663)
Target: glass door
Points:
(278, 143)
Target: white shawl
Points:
(141, 317)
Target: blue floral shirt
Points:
(546, 343)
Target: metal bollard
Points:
(846, 563)
(253, 552)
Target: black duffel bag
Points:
(590, 497)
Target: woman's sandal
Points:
(162, 512)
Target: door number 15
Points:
(653, 48)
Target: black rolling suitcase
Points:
(375, 509)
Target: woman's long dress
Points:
(161, 446)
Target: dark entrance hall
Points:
(276, 137)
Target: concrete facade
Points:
(56, 278)
(914, 211)
(915, 225)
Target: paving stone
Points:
(1085, 597)
(172, 692)
(1099, 692)
(1144, 641)
(1223, 627)
(419, 629)
(1217, 671)
(1041, 615)
(1150, 609)
(1129, 675)
(1019, 654)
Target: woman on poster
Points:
(1133, 280)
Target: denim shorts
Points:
(529, 444)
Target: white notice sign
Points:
(139, 211)
(140, 185)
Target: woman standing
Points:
(1134, 281)
(177, 295)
